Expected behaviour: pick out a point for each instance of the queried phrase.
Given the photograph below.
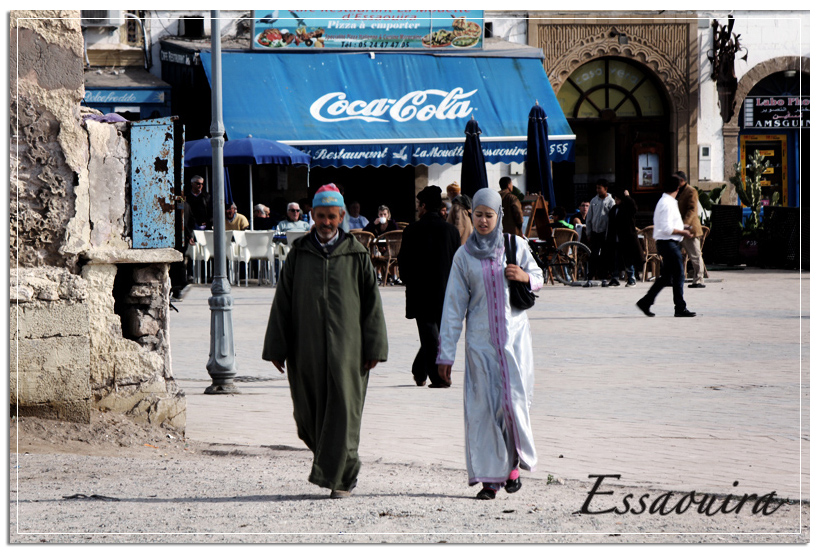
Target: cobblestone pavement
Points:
(667, 403)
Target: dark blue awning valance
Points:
(361, 109)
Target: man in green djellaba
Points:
(327, 326)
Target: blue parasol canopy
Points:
(245, 151)
(539, 174)
(473, 166)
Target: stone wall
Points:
(49, 149)
(89, 315)
(50, 344)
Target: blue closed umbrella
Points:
(244, 151)
(539, 174)
(473, 166)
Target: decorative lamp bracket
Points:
(725, 45)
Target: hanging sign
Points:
(367, 29)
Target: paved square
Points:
(667, 403)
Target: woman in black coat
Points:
(623, 237)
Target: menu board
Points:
(283, 30)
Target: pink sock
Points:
(514, 474)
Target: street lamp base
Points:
(216, 389)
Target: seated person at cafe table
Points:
(559, 219)
(355, 218)
(292, 220)
(234, 220)
(261, 217)
(383, 223)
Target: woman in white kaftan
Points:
(498, 379)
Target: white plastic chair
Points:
(236, 247)
(273, 256)
(281, 250)
(194, 253)
(205, 243)
(293, 235)
(258, 243)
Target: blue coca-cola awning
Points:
(357, 109)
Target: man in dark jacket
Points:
(622, 237)
(513, 213)
(427, 249)
(200, 202)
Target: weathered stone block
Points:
(152, 274)
(141, 324)
(46, 283)
(72, 411)
(49, 369)
(142, 291)
(160, 409)
(21, 293)
(56, 319)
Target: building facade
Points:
(635, 87)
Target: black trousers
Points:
(600, 258)
(671, 274)
(424, 365)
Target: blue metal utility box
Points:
(152, 183)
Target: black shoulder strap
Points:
(510, 248)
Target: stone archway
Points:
(663, 48)
(749, 79)
(669, 76)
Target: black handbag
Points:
(521, 296)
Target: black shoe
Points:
(631, 282)
(614, 282)
(438, 385)
(645, 308)
(512, 486)
(604, 284)
(588, 284)
(698, 285)
(421, 382)
(684, 313)
(486, 493)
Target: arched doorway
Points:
(775, 120)
(617, 110)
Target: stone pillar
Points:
(730, 147)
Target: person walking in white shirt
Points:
(668, 232)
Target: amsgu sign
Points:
(761, 112)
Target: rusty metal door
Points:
(152, 183)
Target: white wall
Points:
(511, 26)
(765, 35)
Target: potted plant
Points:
(749, 190)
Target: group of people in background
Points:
(607, 224)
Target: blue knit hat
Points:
(328, 196)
